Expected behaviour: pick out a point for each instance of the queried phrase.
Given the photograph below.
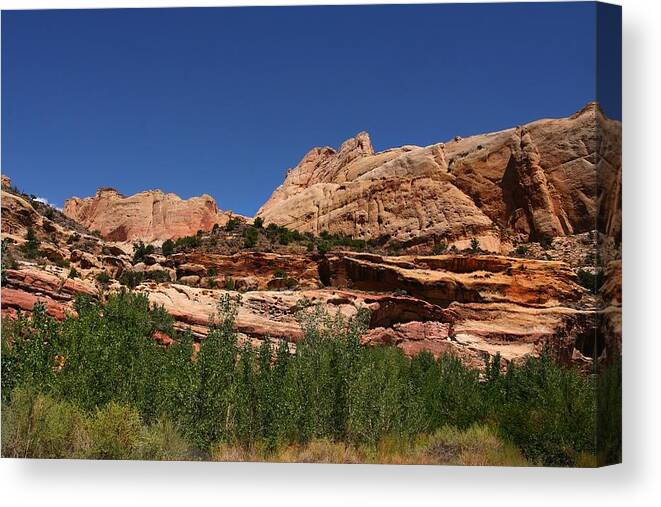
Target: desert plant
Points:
(140, 251)
(167, 248)
(323, 247)
(30, 248)
(103, 278)
(439, 248)
(521, 250)
(232, 224)
(250, 236)
(132, 278)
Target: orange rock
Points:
(150, 216)
(539, 180)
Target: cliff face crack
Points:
(534, 187)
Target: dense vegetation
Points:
(100, 386)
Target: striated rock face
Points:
(30, 284)
(468, 306)
(148, 216)
(535, 181)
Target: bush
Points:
(475, 245)
(167, 247)
(115, 432)
(187, 242)
(35, 425)
(8, 261)
(250, 236)
(131, 278)
(547, 410)
(30, 248)
(103, 278)
(140, 251)
(521, 250)
(323, 247)
(73, 273)
(232, 224)
(163, 441)
(439, 248)
(258, 222)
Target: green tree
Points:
(30, 248)
(168, 247)
(250, 236)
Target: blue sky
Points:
(223, 101)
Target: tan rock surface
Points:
(538, 180)
(149, 216)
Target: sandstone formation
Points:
(30, 284)
(530, 182)
(551, 180)
(149, 216)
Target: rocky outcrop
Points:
(149, 216)
(466, 305)
(30, 284)
(252, 270)
(535, 181)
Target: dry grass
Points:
(477, 446)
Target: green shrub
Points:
(103, 278)
(73, 273)
(475, 245)
(162, 441)
(250, 236)
(323, 247)
(140, 251)
(439, 248)
(30, 248)
(167, 248)
(115, 432)
(547, 410)
(258, 222)
(187, 242)
(35, 425)
(521, 250)
(232, 224)
(131, 278)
